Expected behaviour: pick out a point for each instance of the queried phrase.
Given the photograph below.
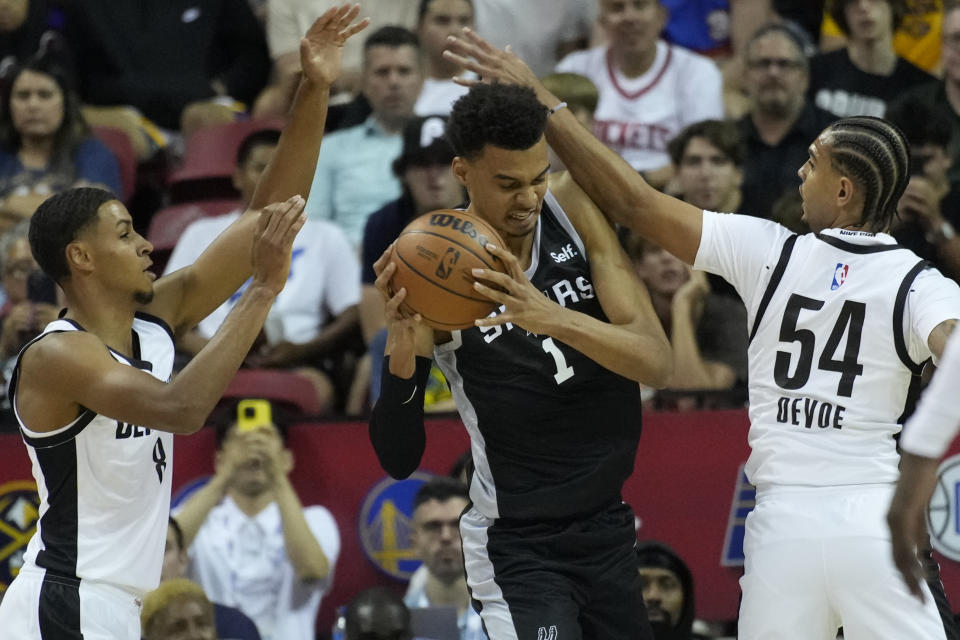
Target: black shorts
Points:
(556, 580)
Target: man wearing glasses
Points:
(781, 122)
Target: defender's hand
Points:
(277, 227)
(321, 49)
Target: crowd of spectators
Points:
(715, 102)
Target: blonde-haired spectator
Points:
(177, 610)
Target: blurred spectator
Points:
(378, 614)
(231, 623)
(25, 25)
(177, 610)
(708, 332)
(917, 39)
(45, 145)
(865, 76)
(437, 20)
(944, 95)
(288, 20)
(183, 65)
(649, 89)
(708, 159)
(667, 591)
(354, 176)
(251, 543)
(781, 122)
(440, 580)
(428, 184)
(21, 318)
(698, 25)
(540, 32)
(581, 97)
(929, 210)
(315, 319)
(806, 14)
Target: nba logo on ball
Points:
(943, 514)
(839, 275)
(446, 264)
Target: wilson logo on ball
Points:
(434, 257)
(457, 223)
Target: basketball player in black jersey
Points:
(546, 386)
(93, 396)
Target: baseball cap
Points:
(424, 144)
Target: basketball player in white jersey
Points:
(840, 321)
(91, 393)
(926, 437)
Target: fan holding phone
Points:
(250, 540)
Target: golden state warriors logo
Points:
(386, 523)
(943, 513)
(19, 512)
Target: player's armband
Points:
(396, 422)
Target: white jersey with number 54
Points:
(838, 326)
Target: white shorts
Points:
(37, 606)
(819, 558)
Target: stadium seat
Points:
(277, 386)
(167, 224)
(210, 158)
(118, 143)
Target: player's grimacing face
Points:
(506, 187)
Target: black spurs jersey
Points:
(553, 433)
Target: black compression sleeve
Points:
(396, 422)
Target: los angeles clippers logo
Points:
(839, 275)
(446, 264)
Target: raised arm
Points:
(611, 183)
(64, 373)
(187, 296)
(925, 439)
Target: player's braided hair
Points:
(58, 221)
(874, 154)
(503, 115)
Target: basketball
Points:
(434, 256)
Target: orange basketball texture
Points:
(434, 256)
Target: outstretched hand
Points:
(321, 49)
(491, 64)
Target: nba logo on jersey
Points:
(943, 512)
(839, 275)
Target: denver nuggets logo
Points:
(19, 512)
(744, 499)
(386, 523)
(943, 513)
